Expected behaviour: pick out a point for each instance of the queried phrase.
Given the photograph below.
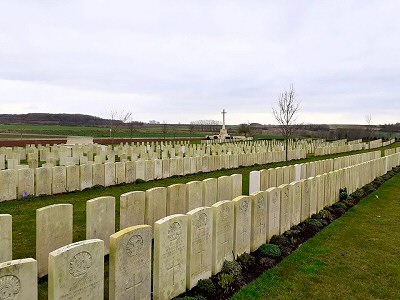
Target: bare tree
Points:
(286, 114)
(368, 120)
(244, 129)
(118, 119)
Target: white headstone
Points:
(242, 236)
(5, 237)
(76, 271)
(132, 208)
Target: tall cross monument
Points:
(223, 133)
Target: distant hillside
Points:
(54, 119)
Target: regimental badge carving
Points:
(202, 220)
(80, 264)
(244, 206)
(224, 213)
(174, 231)
(134, 245)
(10, 286)
(260, 203)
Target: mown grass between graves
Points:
(24, 211)
(355, 257)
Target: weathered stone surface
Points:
(53, 230)
(100, 220)
(224, 188)
(26, 182)
(109, 174)
(313, 195)
(305, 199)
(210, 189)
(223, 234)
(194, 195)
(286, 208)
(120, 173)
(43, 180)
(59, 182)
(170, 257)
(98, 174)
(139, 166)
(264, 180)
(18, 279)
(258, 220)
(130, 263)
(236, 185)
(73, 178)
(76, 271)
(200, 222)
(242, 232)
(132, 208)
(176, 199)
(274, 208)
(5, 237)
(86, 176)
(156, 205)
(130, 172)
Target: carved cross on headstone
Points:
(134, 286)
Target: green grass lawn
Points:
(356, 257)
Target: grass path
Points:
(356, 257)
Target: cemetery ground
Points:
(355, 257)
(24, 211)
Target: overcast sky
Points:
(181, 61)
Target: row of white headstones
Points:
(60, 179)
(187, 247)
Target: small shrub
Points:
(369, 188)
(191, 298)
(267, 262)
(139, 181)
(270, 250)
(358, 194)
(279, 240)
(314, 222)
(343, 194)
(325, 214)
(232, 267)
(226, 282)
(340, 205)
(206, 286)
(246, 260)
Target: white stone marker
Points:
(130, 172)
(210, 189)
(120, 176)
(258, 220)
(73, 179)
(86, 176)
(264, 179)
(176, 199)
(109, 174)
(242, 232)
(170, 257)
(254, 182)
(156, 205)
(224, 188)
(26, 182)
(98, 174)
(313, 195)
(76, 271)
(132, 207)
(8, 185)
(130, 263)
(194, 195)
(53, 230)
(223, 234)
(305, 199)
(18, 279)
(100, 220)
(274, 208)
(5, 237)
(286, 208)
(59, 182)
(236, 185)
(320, 192)
(200, 223)
(139, 166)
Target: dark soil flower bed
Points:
(247, 267)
